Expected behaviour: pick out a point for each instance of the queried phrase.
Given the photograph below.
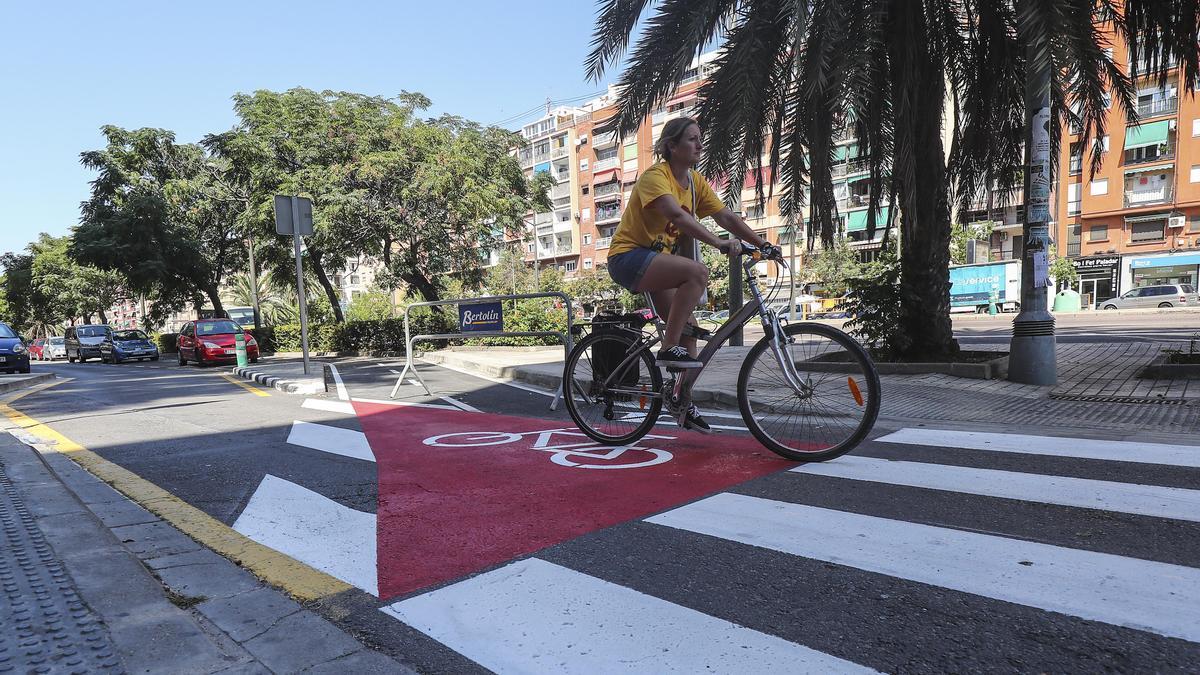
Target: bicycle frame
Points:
(688, 377)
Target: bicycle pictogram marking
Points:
(572, 454)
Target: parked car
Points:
(55, 348)
(14, 352)
(702, 315)
(805, 304)
(83, 342)
(123, 345)
(35, 349)
(212, 341)
(1166, 295)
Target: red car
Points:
(212, 341)
(36, 349)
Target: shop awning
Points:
(689, 97)
(629, 177)
(1154, 133)
(856, 221)
(1150, 168)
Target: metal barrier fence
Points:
(409, 338)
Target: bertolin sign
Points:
(483, 316)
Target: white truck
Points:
(972, 286)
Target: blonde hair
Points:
(671, 133)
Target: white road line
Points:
(459, 404)
(1147, 500)
(331, 439)
(1083, 448)
(337, 379)
(1141, 594)
(534, 616)
(383, 365)
(313, 529)
(343, 407)
(407, 404)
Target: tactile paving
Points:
(45, 627)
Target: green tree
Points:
(160, 217)
(833, 267)
(792, 78)
(593, 288)
(370, 306)
(961, 234)
(1064, 273)
(718, 276)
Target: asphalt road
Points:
(483, 533)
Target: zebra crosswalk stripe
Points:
(535, 616)
(1141, 594)
(1147, 500)
(1055, 446)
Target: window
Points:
(1099, 187)
(1074, 234)
(1076, 158)
(1153, 230)
(355, 280)
(587, 238)
(1073, 199)
(1196, 127)
(530, 247)
(1098, 233)
(587, 263)
(586, 213)
(586, 189)
(631, 151)
(1194, 224)
(605, 153)
(571, 265)
(583, 165)
(1195, 175)
(754, 211)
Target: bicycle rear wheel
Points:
(836, 411)
(626, 410)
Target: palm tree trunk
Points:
(919, 102)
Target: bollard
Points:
(239, 340)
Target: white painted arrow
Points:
(331, 439)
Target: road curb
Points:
(25, 381)
(287, 386)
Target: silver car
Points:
(1148, 297)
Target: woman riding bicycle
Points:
(644, 257)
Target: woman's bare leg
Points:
(688, 278)
(662, 302)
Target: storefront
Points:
(1161, 268)
(1099, 278)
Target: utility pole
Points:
(1031, 353)
(254, 284)
(792, 268)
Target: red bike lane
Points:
(460, 491)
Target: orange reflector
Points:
(854, 390)
(642, 399)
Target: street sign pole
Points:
(300, 282)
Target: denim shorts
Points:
(627, 268)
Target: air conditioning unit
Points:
(1171, 125)
(1176, 221)
(1003, 235)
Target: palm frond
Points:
(614, 24)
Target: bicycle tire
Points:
(857, 357)
(582, 352)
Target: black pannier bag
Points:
(608, 354)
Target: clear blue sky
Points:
(67, 68)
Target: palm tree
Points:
(792, 76)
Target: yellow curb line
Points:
(301, 581)
(253, 390)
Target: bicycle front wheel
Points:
(628, 407)
(833, 409)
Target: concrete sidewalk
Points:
(94, 583)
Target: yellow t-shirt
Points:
(643, 227)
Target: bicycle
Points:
(818, 399)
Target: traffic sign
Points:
(283, 215)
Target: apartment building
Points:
(1136, 222)
(552, 239)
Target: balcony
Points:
(602, 140)
(1147, 196)
(559, 153)
(607, 216)
(1167, 154)
(602, 164)
(603, 242)
(1076, 165)
(1162, 106)
(560, 191)
(539, 157)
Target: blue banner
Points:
(482, 316)
(974, 285)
